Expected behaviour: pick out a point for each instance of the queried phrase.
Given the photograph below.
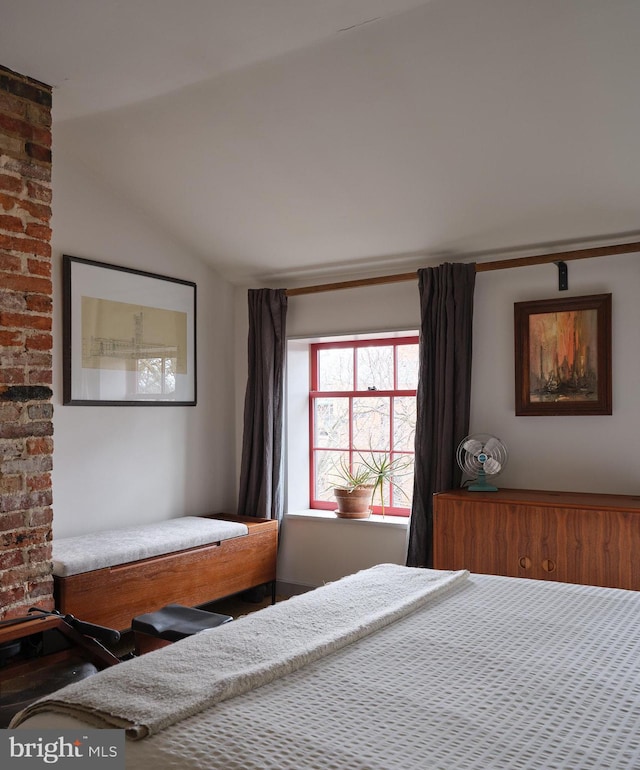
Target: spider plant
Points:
(349, 478)
(381, 469)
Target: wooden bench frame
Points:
(113, 596)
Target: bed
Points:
(390, 668)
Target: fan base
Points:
(482, 487)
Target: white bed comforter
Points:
(492, 673)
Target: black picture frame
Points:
(129, 336)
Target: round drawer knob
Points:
(525, 562)
(548, 565)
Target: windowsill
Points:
(374, 519)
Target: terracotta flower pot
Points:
(354, 503)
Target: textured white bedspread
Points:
(495, 673)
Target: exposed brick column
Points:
(26, 411)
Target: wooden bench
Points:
(113, 595)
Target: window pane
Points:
(403, 497)
(404, 422)
(375, 368)
(407, 367)
(332, 422)
(325, 470)
(371, 423)
(335, 369)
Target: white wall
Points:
(594, 454)
(573, 453)
(116, 466)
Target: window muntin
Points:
(376, 416)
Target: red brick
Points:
(11, 224)
(10, 103)
(27, 168)
(16, 611)
(39, 266)
(31, 464)
(23, 321)
(9, 412)
(25, 245)
(38, 152)
(24, 502)
(12, 125)
(38, 554)
(13, 595)
(31, 283)
(10, 376)
(40, 446)
(13, 558)
(38, 359)
(37, 210)
(11, 338)
(12, 184)
(18, 127)
(40, 592)
(33, 230)
(34, 430)
(10, 484)
(38, 303)
(9, 262)
(9, 522)
(39, 192)
(11, 145)
(10, 449)
(25, 336)
(40, 411)
(40, 377)
(36, 341)
(41, 518)
(38, 115)
(22, 358)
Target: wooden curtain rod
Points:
(481, 267)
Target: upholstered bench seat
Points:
(84, 553)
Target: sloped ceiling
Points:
(293, 140)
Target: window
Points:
(362, 401)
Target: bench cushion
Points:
(84, 553)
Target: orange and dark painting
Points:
(563, 356)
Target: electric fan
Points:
(480, 456)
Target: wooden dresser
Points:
(571, 537)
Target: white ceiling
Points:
(287, 140)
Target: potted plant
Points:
(353, 491)
(357, 488)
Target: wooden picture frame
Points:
(563, 356)
(129, 336)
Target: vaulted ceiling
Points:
(284, 140)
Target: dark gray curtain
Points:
(443, 396)
(262, 472)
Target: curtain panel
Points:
(443, 395)
(262, 468)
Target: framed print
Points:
(129, 336)
(563, 356)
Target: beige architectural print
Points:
(119, 335)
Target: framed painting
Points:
(129, 337)
(563, 356)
